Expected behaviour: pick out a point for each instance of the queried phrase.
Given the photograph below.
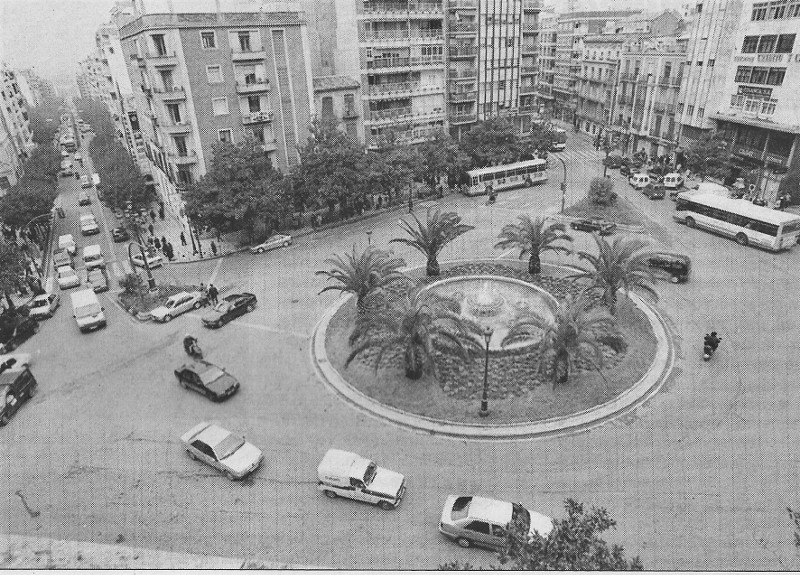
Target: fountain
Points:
(486, 303)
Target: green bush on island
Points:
(601, 191)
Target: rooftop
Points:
(328, 83)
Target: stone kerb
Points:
(642, 390)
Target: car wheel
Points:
(330, 494)
(385, 505)
(741, 239)
(260, 250)
(251, 307)
(192, 456)
(690, 222)
(286, 244)
(196, 305)
(230, 476)
(167, 318)
(32, 391)
(464, 542)
(183, 383)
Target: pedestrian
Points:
(152, 215)
(212, 294)
(151, 228)
(203, 290)
(213, 248)
(150, 241)
(157, 243)
(183, 239)
(161, 212)
(163, 240)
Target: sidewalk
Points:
(171, 228)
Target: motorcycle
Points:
(193, 350)
(710, 345)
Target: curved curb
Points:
(633, 229)
(639, 393)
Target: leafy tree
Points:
(540, 139)
(618, 265)
(389, 169)
(440, 156)
(708, 156)
(26, 200)
(430, 237)
(533, 238)
(12, 266)
(43, 164)
(790, 184)
(363, 274)
(491, 142)
(418, 322)
(601, 191)
(41, 130)
(572, 335)
(574, 544)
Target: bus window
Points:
(474, 180)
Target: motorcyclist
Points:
(712, 340)
(190, 345)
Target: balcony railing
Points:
(463, 96)
(463, 4)
(258, 117)
(664, 107)
(463, 118)
(531, 5)
(529, 49)
(176, 127)
(391, 36)
(463, 52)
(403, 62)
(527, 89)
(163, 59)
(529, 69)
(349, 113)
(190, 157)
(390, 114)
(461, 27)
(259, 85)
(245, 55)
(171, 92)
(467, 73)
(402, 7)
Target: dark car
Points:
(613, 161)
(654, 191)
(625, 170)
(14, 332)
(206, 378)
(676, 267)
(229, 309)
(120, 235)
(16, 386)
(600, 226)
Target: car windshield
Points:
(519, 513)
(87, 310)
(44, 302)
(228, 446)
(223, 306)
(65, 272)
(369, 475)
(211, 374)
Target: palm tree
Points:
(363, 274)
(571, 335)
(418, 322)
(620, 264)
(533, 237)
(430, 237)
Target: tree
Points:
(43, 164)
(790, 185)
(708, 156)
(574, 544)
(601, 191)
(26, 200)
(618, 265)
(363, 274)
(390, 168)
(12, 266)
(419, 322)
(440, 156)
(533, 237)
(430, 237)
(491, 142)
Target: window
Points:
(180, 145)
(759, 75)
(220, 106)
(159, 44)
(254, 104)
(794, 11)
(775, 76)
(750, 44)
(225, 135)
(478, 527)
(185, 177)
(690, 110)
(327, 107)
(699, 8)
(166, 80)
(349, 104)
(700, 112)
(759, 11)
(711, 62)
(699, 62)
(767, 43)
(258, 134)
(208, 40)
(777, 10)
(785, 43)
(174, 112)
(743, 74)
(214, 74)
(244, 42)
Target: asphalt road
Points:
(698, 478)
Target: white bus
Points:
(738, 219)
(559, 142)
(507, 176)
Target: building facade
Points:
(757, 109)
(15, 136)
(597, 82)
(543, 89)
(338, 98)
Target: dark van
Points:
(676, 267)
(16, 386)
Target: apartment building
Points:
(15, 135)
(337, 98)
(35, 88)
(547, 65)
(757, 108)
(217, 71)
(596, 82)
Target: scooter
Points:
(709, 347)
(194, 351)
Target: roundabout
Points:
(480, 302)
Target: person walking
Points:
(157, 243)
(183, 239)
(163, 240)
(203, 290)
(212, 294)
(213, 248)
(151, 228)
(152, 215)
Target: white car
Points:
(20, 359)
(176, 305)
(273, 242)
(67, 278)
(345, 474)
(222, 449)
(153, 260)
(483, 522)
(44, 305)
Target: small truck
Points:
(345, 474)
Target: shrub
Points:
(790, 184)
(132, 284)
(601, 191)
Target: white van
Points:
(345, 474)
(639, 181)
(89, 225)
(87, 311)
(93, 257)
(673, 181)
(67, 242)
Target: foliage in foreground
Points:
(431, 236)
(533, 238)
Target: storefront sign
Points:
(777, 160)
(772, 58)
(747, 152)
(754, 91)
(748, 59)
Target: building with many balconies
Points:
(547, 65)
(15, 136)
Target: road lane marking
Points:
(117, 271)
(259, 327)
(213, 277)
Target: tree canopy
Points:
(708, 156)
(497, 141)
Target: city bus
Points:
(559, 142)
(740, 220)
(506, 176)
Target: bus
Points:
(506, 176)
(559, 142)
(741, 220)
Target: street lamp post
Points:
(369, 237)
(563, 184)
(487, 335)
(151, 282)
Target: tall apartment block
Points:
(547, 66)
(218, 71)
(757, 108)
(35, 88)
(15, 135)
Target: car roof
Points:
(344, 463)
(212, 435)
(670, 255)
(9, 376)
(492, 510)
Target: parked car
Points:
(120, 234)
(229, 308)
(97, 279)
(676, 267)
(625, 169)
(483, 522)
(588, 225)
(44, 305)
(20, 360)
(206, 378)
(345, 474)
(17, 385)
(153, 260)
(67, 278)
(62, 258)
(654, 191)
(16, 333)
(222, 450)
(613, 161)
(273, 242)
(178, 304)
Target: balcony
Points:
(190, 157)
(400, 89)
(349, 114)
(463, 52)
(463, 4)
(462, 28)
(415, 62)
(463, 118)
(390, 115)
(247, 55)
(465, 96)
(673, 81)
(664, 108)
(165, 60)
(395, 37)
(460, 74)
(182, 127)
(170, 93)
(257, 117)
(531, 6)
(259, 85)
(402, 9)
(269, 145)
(527, 89)
(528, 70)
(529, 49)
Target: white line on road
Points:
(260, 327)
(213, 277)
(117, 271)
